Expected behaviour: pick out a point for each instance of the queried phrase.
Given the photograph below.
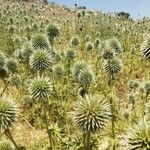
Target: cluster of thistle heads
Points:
(38, 60)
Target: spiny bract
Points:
(8, 113)
(139, 136)
(40, 88)
(92, 113)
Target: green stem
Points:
(88, 138)
(46, 124)
(9, 136)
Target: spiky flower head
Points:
(106, 51)
(40, 42)
(40, 60)
(86, 77)
(78, 67)
(25, 53)
(75, 41)
(145, 48)
(40, 88)
(139, 136)
(92, 113)
(6, 145)
(8, 113)
(113, 66)
(2, 61)
(58, 70)
(70, 54)
(89, 46)
(115, 45)
(52, 31)
(12, 65)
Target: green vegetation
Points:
(73, 79)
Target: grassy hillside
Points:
(72, 79)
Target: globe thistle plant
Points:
(78, 67)
(86, 77)
(58, 70)
(40, 60)
(70, 55)
(8, 113)
(6, 145)
(89, 46)
(145, 48)
(40, 88)
(40, 42)
(139, 136)
(91, 114)
(75, 41)
(106, 51)
(113, 66)
(115, 45)
(52, 32)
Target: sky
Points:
(137, 8)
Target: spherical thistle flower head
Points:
(115, 45)
(75, 41)
(78, 67)
(58, 70)
(86, 77)
(40, 88)
(113, 66)
(92, 113)
(89, 46)
(106, 51)
(52, 31)
(8, 113)
(145, 48)
(40, 42)
(70, 55)
(12, 65)
(139, 136)
(2, 61)
(6, 145)
(40, 60)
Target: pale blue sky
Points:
(134, 7)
